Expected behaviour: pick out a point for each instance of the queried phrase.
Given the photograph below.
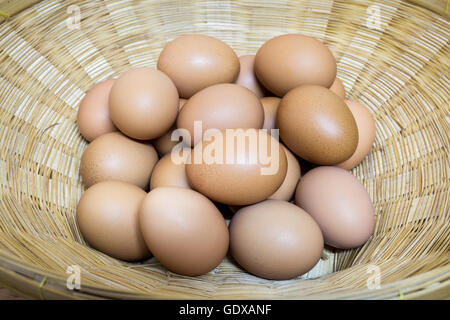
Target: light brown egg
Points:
(143, 103)
(169, 173)
(108, 218)
(317, 125)
(114, 156)
(287, 61)
(340, 205)
(195, 62)
(165, 144)
(247, 77)
(338, 88)
(275, 239)
(184, 230)
(287, 188)
(270, 106)
(232, 175)
(221, 106)
(366, 132)
(93, 117)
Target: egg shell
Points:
(165, 144)
(184, 230)
(143, 103)
(93, 117)
(238, 176)
(108, 218)
(169, 173)
(221, 106)
(196, 61)
(366, 133)
(317, 125)
(338, 88)
(275, 240)
(287, 189)
(270, 106)
(340, 205)
(247, 77)
(287, 61)
(113, 156)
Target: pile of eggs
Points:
(148, 193)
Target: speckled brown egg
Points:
(247, 77)
(114, 156)
(366, 132)
(108, 218)
(221, 106)
(340, 205)
(93, 117)
(195, 62)
(169, 172)
(275, 239)
(287, 61)
(287, 188)
(338, 88)
(317, 125)
(143, 103)
(184, 230)
(233, 175)
(270, 106)
(165, 144)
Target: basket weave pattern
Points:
(399, 69)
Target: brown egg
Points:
(114, 156)
(366, 132)
(270, 106)
(143, 103)
(317, 125)
(247, 77)
(165, 144)
(221, 106)
(287, 188)
(184, 230)
(340, 205)
(93, 118)
(290, 60)
(338, 88)
(195, 62)
(108, 218)
(169, 173)
(275, 239)
(233, 175)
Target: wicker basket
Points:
(393, 56)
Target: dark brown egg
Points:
(195, 62)
(290, 60)
(317, 125)
(245, 172)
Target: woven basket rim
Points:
(400, 289)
